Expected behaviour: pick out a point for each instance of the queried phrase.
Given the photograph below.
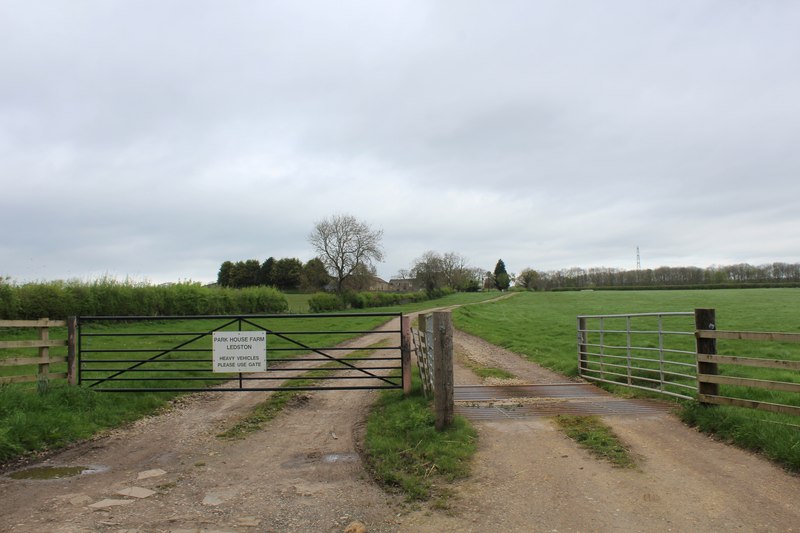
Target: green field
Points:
(542, 327)
(298, 302)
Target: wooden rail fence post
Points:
(705, 319)
(405, 352)
(443, 369)
(44, 356)
(582, 357)
(72, 328)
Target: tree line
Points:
(287, 274)
(433, 271)
(603, 277)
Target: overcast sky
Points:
(157, 139)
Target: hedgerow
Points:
(109, 297)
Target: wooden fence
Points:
(43, 344)
(708, 362)
(433, 344)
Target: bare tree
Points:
(454, 268)
(344, 244)
(428, 271)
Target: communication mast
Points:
(638, 260)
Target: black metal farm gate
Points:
(242, 352)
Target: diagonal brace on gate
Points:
(159, 355)
(318, 351)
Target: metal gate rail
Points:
(173, 353)
(648, 351)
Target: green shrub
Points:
(364, 300)
(323, 302)
(9, 303)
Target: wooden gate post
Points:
(42, 377)
(705, 319)
(582, 349)
(405, 352)
(72, 328)
(443, 369)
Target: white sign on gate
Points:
(240, 351)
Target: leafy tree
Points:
(314, 277)
(345, 244)
(527, 279)
(244, 274)
(501, 278)
(224, 275)
(286, 274)
(265, 273)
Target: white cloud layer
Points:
(159, 139)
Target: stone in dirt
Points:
(355, 527)
(136, 492)
(156, 472)
(212, 500)
(108, 502)
(216, 498)
(80, 499)
(248, 521)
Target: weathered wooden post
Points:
(72, 328)
(405, 352)
(443, 369)
(42, 376)
(705, 319)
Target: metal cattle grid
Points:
(303, 352)
(502, 402)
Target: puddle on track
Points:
(55, 472)
(331, 458)
(306, 459)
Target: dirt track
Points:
(302, 473)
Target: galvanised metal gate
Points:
(650, 351)
(303, 352)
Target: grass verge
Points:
(592, 434)
(405, 452)
(484, 372)
(774, 435)
(31, 422)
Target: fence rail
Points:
(423, 346)
(709, 378)
(43, 344)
